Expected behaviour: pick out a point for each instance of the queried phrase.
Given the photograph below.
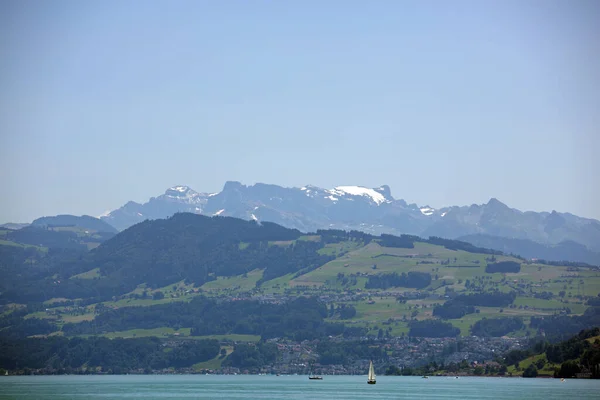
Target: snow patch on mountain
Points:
(377, 197)
(427, 210)
(254, 217)
(332, 198)
(219, 212)
(104, 214)
(185, 195)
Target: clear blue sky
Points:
(449, 103)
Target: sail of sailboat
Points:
(371, 379)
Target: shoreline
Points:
(287, 375)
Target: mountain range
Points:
(549, 235)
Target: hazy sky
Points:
(449, 103)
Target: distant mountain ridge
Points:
(567, 250)
(84, 221)
(175, 199)
(79, 233)
(372, 210)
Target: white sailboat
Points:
(371, 379)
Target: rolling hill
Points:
(166, 274)
(54, 236)
(85, 222)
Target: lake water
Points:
(225, 387)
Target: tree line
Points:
(577, 354)
(298, 319)
(413, 279)
(560, 326)
(503, 267)
(62, 355)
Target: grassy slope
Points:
(547, 370)
(91, 274)
(216, 362)
(362, 260)
(397, 260)
(160, 332)
(239, 283)
(4, 242)
(384, 311)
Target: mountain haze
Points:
(84, 221)
(567, 250)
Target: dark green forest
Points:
(495, 327)
(453, 309)
(559, 326)
(251, 356)
(299, 319)
(503, 267)
(63, 355)
(432, 328)
(417, 280)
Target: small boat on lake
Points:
(371, 378)
(313, 377)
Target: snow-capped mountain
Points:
(375, 196)
(372, 210)
(307, 208)
(175, 199)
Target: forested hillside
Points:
(158, 253)
(194, 277)
(578, 356)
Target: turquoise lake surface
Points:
(109, 387)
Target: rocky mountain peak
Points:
(495, 203)
(371, 210)
(179, 190)
(232, 186)
(385, 191)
